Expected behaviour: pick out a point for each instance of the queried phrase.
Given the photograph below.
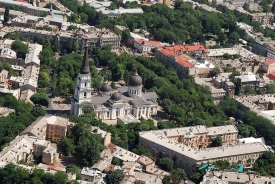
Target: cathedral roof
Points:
(135, 80)
(106, 88)
(116, 96)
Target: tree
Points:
(38, 111)
(40, 98)
(273, 8)
(20, 48)
(246, 130)
(67, 145)
(125, 35)
(60, 178)
(166, 164)
(116, 161)
(238, 86)
(87, 110)
(56, 46)
(115, 177)
(49, 5)
(7, 14)
(72, 27)
(217, 141)
(248, 90)
(214, 72)
(176, 176)
(270, 88)
(229, 106)
(118, 72)
(222, 164)
(74, 169)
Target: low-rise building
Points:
(144, 46)
(106, 136)
(249, 79)
(91, 175)
(227, 177)
(120, 11)
(268, 66)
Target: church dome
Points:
(106, 88)
(116, 96)
(135, 80)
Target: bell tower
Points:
(83, 89)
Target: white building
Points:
(107, 105)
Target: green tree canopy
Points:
(166, 164)
(20, 48)
(40, 98)
(115, 177)
(6, 14)
(217, 141)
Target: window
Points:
(164, 151)
(108, 114)
(85, 84)
(154, 147)
(85, 95)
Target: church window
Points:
(85, 95)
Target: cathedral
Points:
(108, 105)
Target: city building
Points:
(110, 105)
(120, 11)
(231, 177)
(106, 136)
(169, 143)
(144, 46)
(216, 93)
(57, 128)
(270, 49)
(268, 66)
(249, 79)
(91, 175)
(30, 9)
(186, 60)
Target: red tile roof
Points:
(271, 75)
(184, 62)
(157, 43)
(185, 48)
(269, 61)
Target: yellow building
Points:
(56, 128)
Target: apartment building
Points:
(248, 79)
(186, 60)
(57, 128)
(190, 158)
(30, 9)
(144, 46)
(96, 37)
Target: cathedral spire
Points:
(85, 68)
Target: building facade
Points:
(189, 158)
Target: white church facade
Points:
(108, 105)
